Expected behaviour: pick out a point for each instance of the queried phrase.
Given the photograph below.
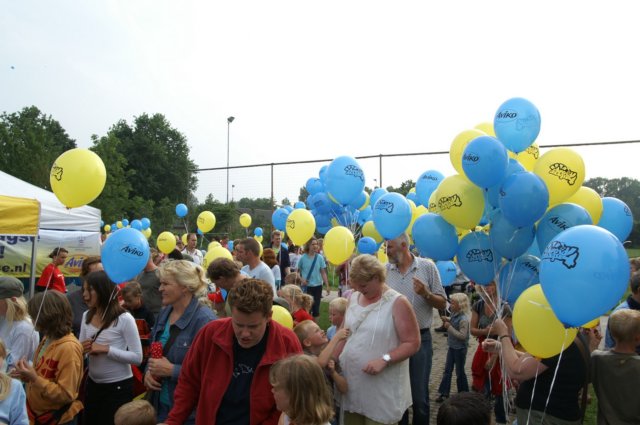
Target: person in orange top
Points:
(52, 277)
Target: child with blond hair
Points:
(457, 327)
(337, 308)
(299, 302)
(615, 373)
(13, 401)
(136, 412)
(301, 392)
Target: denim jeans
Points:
(420, 372)
(457, 357)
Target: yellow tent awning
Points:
(19, 216)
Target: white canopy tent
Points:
(53, 215)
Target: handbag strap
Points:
(313, 263)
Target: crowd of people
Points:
(201, 346)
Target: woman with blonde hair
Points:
(16, 327)
(375, 359)
(13, 401)
(183, 289)
(301, 392)
(300, 302)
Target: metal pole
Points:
(272, 203)
(380, 168)
(229, 121)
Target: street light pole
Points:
(229, 121)
(233, 186)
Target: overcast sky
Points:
(310, 80)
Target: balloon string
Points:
(555, 373)
(533, 392)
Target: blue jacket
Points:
(192, 320)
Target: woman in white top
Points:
(110, 336)
(375, 358)
(16, 328)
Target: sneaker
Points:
(441, 398)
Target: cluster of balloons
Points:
(143, 225)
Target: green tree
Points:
(404, 188)
(30, 142)
(159, 154)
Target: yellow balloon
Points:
(486, 128)
(592, 324)
(412, 190)
(77, 177)
(214, 253)
(206, 221)
(369, 229)
(382, 255)
(334, 222)
(212, 245)
(366, 203)
(528, 157)
(245, 220)
(562, 170)
(184, 239)
(282, 316)
(462, 233)
(119, 224)
(457, 147)
(147, 232)
(166, 242)
(338, 245)
(590, 201)
(258, 238)
(300, 226)
(107, 228)
(537, 327)
(460, 202)
(433, 203)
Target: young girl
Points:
(457, 327)
(13, 402)
(300, 303)
(300, 391)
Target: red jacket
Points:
(206, 373)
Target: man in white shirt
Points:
(248, 251)
(192, 240)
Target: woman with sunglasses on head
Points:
(110, 337)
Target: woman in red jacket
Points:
(52, 277)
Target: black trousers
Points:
(102, 400)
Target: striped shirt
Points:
(425, 270)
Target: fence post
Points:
(380, 170)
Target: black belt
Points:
(424, 331)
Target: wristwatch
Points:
(386, 358)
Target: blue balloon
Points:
(434, 237)
(345, 179)
(101, 224)
(279, 218)
(230, 245)
(364, 215)
(136, 224)
(391, 215)
(448, 272)
(198, 231)
(616, 217)
(125, 222)
(124, 254)
(321, 203)
(477, 258)
(323, 174)
(323, 220)
(299, 206)
(367, 245)
(584, 271)
(359, 201)
(257, 231)
(411, 196)
(146, 223)
(518, 275)
(288, 208)
(557, 219)
(492, 194)
(485, 161)
(181, 210)
(323, 229)
(314, 185)
(376, 194)
(517, 124)
(524, 198)
(508, 240)
(426, 184)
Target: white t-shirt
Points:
(196, 254)
(262, 272)
(20, 339)
(124, 345)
